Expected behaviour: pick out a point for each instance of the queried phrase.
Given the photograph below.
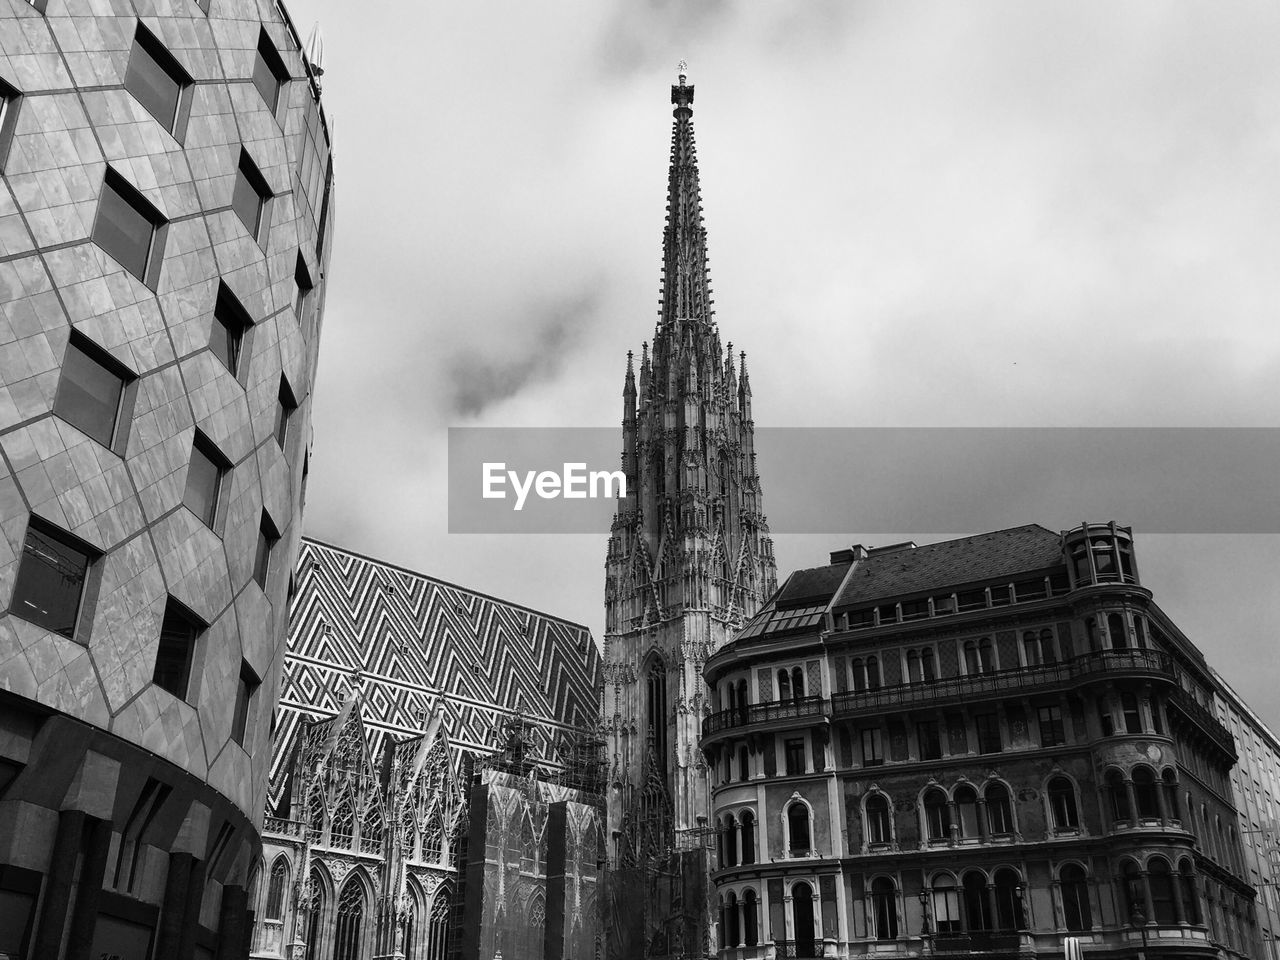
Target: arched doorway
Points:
(802, 919)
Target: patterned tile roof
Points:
(411, 641)
(952, 563)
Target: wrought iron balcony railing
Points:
(1203, 718)
(998, 682)
(1112, 663)
(804, 707)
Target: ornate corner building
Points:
(436, 780)
(165, 223)
(689, 559)
(996, 746)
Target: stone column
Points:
(1133, 800)
(85, 917)
(57, 894)
(169, 932)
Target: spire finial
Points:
(682, 68)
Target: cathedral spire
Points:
(686, 291)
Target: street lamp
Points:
(924, 912)
(1140, 921)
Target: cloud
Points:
(540, 351)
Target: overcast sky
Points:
(924, 214)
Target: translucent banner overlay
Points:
(892, 480)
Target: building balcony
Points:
(1202, 718)
(775, 713)
(983, 944)
(1109, 663)
(282, 827)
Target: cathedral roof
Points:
(1012, 552)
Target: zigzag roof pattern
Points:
(411, 642)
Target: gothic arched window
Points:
(371, 830)
(798, 829)
(1062, 804)
(656, 719)
(316, 883)
(346, 935)
(342, 825)
(438, 924)
(276, 888)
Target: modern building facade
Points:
(433, 760)
(689, 559)
(998, 745)
(165, 225)
(1255, 786)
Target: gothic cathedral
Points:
(689, 559)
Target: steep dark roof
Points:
(987, 556)
(816, 583)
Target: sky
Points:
(988, 214)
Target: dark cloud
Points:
(477, 381)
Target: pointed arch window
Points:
(656, 718)
(275, 889)
(438, 924)
(784, 685)
(342, 826)
(797, 683)
(315, 815)
(878, 831)
(748, 827)
(346, 935)
(937, 815)
(316, 911)
(433, 840)
(798, 829)
(371, 830)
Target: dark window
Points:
(1009, 912)
(966, 799)
(1075, 897)
(930, 742)
(988, 727)
(178, 635)
(1104, 718)
(937, 815)
(204, 479)
(269, 73)
(302, 296)
(1132, 718)
(884, 907)
(750, 922)
(10, 102)
(999, 809)
(156, 79)
(977, 905)
(230, 321)
(1052, 731)
(744, 770)
(1048, 652)
(245, 690)
(748, 828)
(276, 888)
(249, 200)
(795, 756)
(1190, 895)
(872, 748)
(1062, 804)
(878, 819)
(1160, 879)
(126, 227)
(1146, 793)
(268, 536)
(1118, 795)
(798, 827)
(285, 406)
(51, 579)
(90, 390)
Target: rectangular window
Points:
(1104, 717)
(269, 72)
(230, 321)
(285, 407)
(157, 81)
(930, 742)
(744, 767)
(268, 537)
(302, 298)
(795, 756)
(178, 634)
(1052, 731)
(90, 390)
(988, 727)
(249, 199)
(872, 748)
(245, 690)
(50, 585)
(204, 479)
(128, 228)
